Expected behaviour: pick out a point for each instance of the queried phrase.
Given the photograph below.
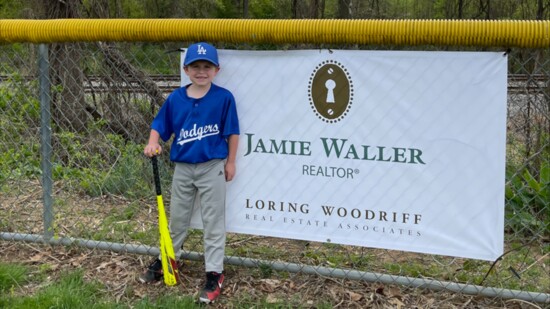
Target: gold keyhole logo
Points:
(330, 91)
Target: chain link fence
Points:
(100, 99)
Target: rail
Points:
(517, 83)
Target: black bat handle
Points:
(156, 176)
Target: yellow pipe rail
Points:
(487, 33)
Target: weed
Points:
(528, 210)
(11, 276)
(70, 292)
(265, 270)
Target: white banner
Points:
(397, 150)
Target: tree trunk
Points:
(69, 106)
(121, 116)
(344, 9)
(486, 7)
(314, 9)
(376, 8)
(245, 8)
(540, 10)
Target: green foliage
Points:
(134, 8)
(226, 9)
(154, 58)
(199, 9)
(119, 226)
(265, 270)
(123, 179)
(528, 207)
(21, 162)
(11, 9)
(17, 59)
(19, 116)
(18, 101)
(11, 276)
(414, 9)
(96, 165)
(109, 165)
(267, 9)
(70, 292)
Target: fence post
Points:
(45, 138)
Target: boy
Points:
(203, 117)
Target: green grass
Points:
(71, 290)
(11, 276)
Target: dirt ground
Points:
(244, 287)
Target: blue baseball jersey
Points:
(200, 126)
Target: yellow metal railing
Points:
(497, 33)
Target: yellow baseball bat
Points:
(168, 258)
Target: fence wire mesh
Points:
(103, 97)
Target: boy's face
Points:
(201, 73)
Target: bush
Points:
(528, 206)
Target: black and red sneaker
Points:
(153, 273)
(213, 287)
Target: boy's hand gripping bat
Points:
(169, 265)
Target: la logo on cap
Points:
(201, 50)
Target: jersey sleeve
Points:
(162, 122)
(231, 121)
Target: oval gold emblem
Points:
(330, 91)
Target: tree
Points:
(540, 9)
(344, 9)
(485, 7)
(460, 9)
(245, 8)
(69, 106)
(120, 115)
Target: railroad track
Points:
(517, 83)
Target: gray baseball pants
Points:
(208, 180)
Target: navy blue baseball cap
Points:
(201, 51)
